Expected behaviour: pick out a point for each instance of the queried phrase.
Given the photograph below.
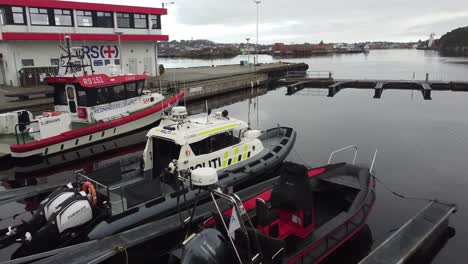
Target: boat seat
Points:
(258, 243)
(267, 218)
(294, 198)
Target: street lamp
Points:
(158, 74)
(119, 35)
(248, 51)
(257, 2)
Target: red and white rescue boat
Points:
(88, 108)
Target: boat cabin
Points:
(217, 141)
(90, 99)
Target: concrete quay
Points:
(198, 83)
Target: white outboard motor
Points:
(62, 226)
(49, 205)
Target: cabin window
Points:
(84, 18)
(82, 98)
(141, 86)
(214, 143)
(104, 19)
(155, 22)
(102, 95)
(60, 97)
(123, 20)
(18, 15)
(140, 21)
(131, 90)
(39, 16)
(118, 93)
(63, 17)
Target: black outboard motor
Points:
(207, 247)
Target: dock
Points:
(197, 82)
(404, 243)
(295, 84)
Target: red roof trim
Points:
(85, 6)
(105, 37)
(95, 128)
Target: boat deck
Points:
(404, 242)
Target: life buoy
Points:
(88, 187)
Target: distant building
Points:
(282, 49)
(31, 31)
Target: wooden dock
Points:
(295, 85)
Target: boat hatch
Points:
(164, 151)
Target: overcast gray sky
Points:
(298, 21)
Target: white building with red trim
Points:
(32, 30)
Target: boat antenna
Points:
(208, 111)
(258, 85)
(250, 102)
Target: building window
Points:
(39, 16)
(104, 19)
(27, 62)
(63, 17)
(18, 15)
(84, 18)
(140, 21)
(155, 22)
(2, 16)
(123, 20)
(55, 62)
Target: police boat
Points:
(100, 204)
(303, 218)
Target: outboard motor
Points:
(63, 210)
(40, 218)
(60, 227)
(207, 247)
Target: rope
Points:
(409, 197)
(121, 249)
(301, 159)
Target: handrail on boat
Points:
(22, 133)
(371, 170)
(343, 149)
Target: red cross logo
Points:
(109, 51)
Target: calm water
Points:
(423, 145)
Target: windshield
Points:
(164, 151)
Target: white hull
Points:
(92, 138)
